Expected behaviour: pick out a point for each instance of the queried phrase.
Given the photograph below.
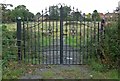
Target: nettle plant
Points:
(8, 43)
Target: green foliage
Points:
(8, 43)
(111, 42)
(89, 17)
(9, 53)
(19, 11)
(96, 65)
(13, 70)
(95, 15)
(111, 74)
(73, 40)
(109, 46)
(77, 15)
(54, 12)
(66, 12)
(48, 74)
(100, 71)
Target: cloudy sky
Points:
(85, 6)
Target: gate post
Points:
(61, 35)
(19, 38)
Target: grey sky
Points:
(85, 6)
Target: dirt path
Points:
(71, 55)
(59, 72)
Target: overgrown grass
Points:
(48, 74)
(13, 69)
(10, 71)
(107, 69)
(100, 71)
(111, 43)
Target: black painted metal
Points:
(57, 41)
(19, 38)
(61, 35)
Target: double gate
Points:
(64, 39)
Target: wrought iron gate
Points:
(60, 40)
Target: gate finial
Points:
(19, 18)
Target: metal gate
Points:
(57, 40)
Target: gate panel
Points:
(46, 40)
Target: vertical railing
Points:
(42, 39)
(102, 31)
(19, 38)
(61, 35)
(39, 46)
(98, 36)
(24, 40)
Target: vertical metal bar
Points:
(42, 41)
(61, 35)
(80, 42)
(91, 39)
(31, 37)
(87, 41)
(94, 37)
(69, 37)
(28, 38)
(39, 49)
(77, 40)
(66, 42)
(84, 42)
(46, 34)
(50, 33)
(35, 56)
(98, 35)
(57, 41)
(102, 32)
(24, 46)
(33, 43)
(73, 42)
(53, 43)
(98, 31)
(19, 38)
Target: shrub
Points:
(8, 43)
(111, 42)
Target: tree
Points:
(6, 16)
(95, 15)
(21, 11)
(77, 15)
(88, 16)
(54, 12)
(66, 11)
(30, 16)
(5, 12)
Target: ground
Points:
(67, 72)
(15, 70)
(59, 72)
